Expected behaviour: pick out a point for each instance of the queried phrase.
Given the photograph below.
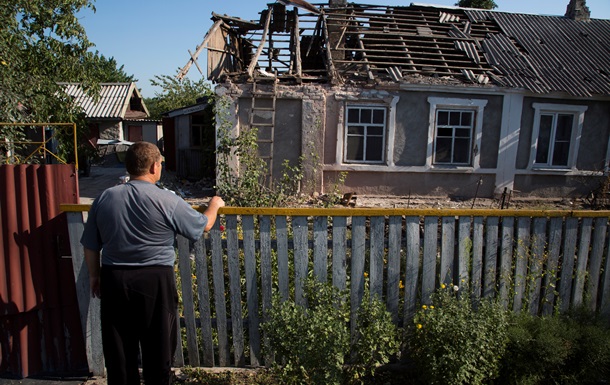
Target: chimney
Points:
(578, 10)
(337, 3)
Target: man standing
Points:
(135, 225)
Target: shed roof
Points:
(113, 102)
(419, 43)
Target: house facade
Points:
(422, 99)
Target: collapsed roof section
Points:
(415, 44)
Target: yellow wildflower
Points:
(424, 307)
(401, 285)
(443, 286)
(431, 307)
(366, 274)
(419, 326)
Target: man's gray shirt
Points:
(135, 224)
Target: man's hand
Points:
(212, 211)
(94, 283)
(92, 258)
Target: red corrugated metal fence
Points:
(40, 329)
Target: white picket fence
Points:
(535, 261)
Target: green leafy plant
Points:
(456, 342)
(376, 341)
(309, 344)
(312, 345)
(558, 349)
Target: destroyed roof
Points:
(416, 44)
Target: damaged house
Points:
(421, 99)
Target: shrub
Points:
(375, 342)
(454, 342)
(311, 344)
(566, 349)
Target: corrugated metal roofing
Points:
(550, 53)
(39, 314)
(113, 99)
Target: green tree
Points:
(175, 94)
(41, 43)
(482, 4)
(105, 70)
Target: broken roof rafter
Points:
(386, 42)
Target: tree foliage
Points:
(175, 93)
(41, 43)
(105, 70)
(482, 4)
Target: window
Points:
(453, 142)
(197, 124)
(365, 134)
(454, 133)
(556, 135)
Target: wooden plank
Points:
(357, 269)
(491, 257)
(551, 277)
(249, 251)
(604, 308)
(465, 250)
(301, 258)
(521, 261)
(376, 252)
(506, 259)
(89, 307)
(266, 277)
(320, 248)
(220, 304)
(266, 269)
(281, 233)
(261, 45)
(339, 252)
(567, 266)
(411, 268)
(235, 291)
(447, 275)
(581, 263)
(184, 264)
(203, 292)
(595, 262)
(536, 264)
(476, 281)
(394, 257)
(429, 261)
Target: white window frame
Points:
(577, 123)
(458, 104)
(384, 140)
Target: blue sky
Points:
(153, 37)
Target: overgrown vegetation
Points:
(454, 341)
(312, 345)
(242, 175)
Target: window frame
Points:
(477, 107)
(578, 113)
(384, 136)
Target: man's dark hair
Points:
(140, 156)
